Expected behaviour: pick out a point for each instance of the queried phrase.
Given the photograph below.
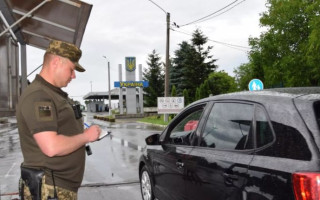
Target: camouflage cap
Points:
(67, 50)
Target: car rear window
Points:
(264, 133)
(316, 107)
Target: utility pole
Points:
(166, 87)
(110, 112)
(167, 70)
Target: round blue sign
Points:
(255, 84)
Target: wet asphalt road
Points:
(111, 171)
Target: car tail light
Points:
(306, 185)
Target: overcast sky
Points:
(118, 29)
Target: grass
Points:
(157, 119)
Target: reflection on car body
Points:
(261, 145)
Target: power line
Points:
(237, 47)
(215, 12)
(222, 12)
(233, 46)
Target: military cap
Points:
(66, 50)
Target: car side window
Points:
(229, 127)
(263, 133)
(183, 131)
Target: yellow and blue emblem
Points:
(130, 64)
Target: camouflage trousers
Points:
(48, 190)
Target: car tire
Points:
(146, 184)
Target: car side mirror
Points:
(153, 139)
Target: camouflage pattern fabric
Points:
(66, 50)
(26, 191)
(48, 190)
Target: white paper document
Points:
(104, 134)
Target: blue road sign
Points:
(255, 84)
(131, 84)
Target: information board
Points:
(170, 105)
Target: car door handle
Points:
(230, 176)
(179, 164)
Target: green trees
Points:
(155, 75)
(217, 83)
(192, 73)
(192, 63)
(173, 91)
(220, 83)
(185, 94)
(287, 54)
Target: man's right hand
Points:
(92, 133)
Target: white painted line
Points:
(8, 173)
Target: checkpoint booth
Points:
(95, 101)
(34, 23)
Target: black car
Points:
(261, 145)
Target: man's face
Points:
(65, 72)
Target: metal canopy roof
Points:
(114, 93)
(39, 21)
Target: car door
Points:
(168, 164)
(280, 151)
(217, 168)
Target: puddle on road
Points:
(124, 124)
(132, 125)
(140, 126)
(9, 137)
(9, 140)
(126, 143)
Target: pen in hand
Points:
(86, 125)
(101, 135)
(88, 148)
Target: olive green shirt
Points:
(44, 107)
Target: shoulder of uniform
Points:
(33, 95)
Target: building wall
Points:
(9, 76)
(96, 106)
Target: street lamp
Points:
(110, 113)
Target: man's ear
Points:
(55, 61)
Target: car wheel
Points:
(145, 185)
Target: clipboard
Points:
(104, 134)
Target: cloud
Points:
(117, 29)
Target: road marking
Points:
(8, 173)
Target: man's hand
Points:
(53, 144)
(92, 133)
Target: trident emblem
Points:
(130, 64)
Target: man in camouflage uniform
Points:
(51, 134)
